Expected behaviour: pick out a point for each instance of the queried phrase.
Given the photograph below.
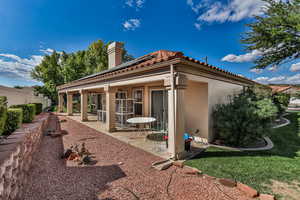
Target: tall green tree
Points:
(59, 68)
(276, 33)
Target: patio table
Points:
(141, 121)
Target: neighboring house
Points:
(23, 96)
(288, 89)
(179, 91)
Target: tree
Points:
(59, 68)
(276, 33)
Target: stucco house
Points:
(288, 89)
(23, 95)
(179, 91)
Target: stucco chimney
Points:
(114, 52)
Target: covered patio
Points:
(107, 109)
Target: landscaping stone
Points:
(227, 182)
(247, 189)
(266, 197)
(210, 178)
(193, 171)
(178, 164)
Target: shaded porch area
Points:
(133, 137)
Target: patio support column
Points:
(83, 105)
(176, 112)
(110, 95)
(146, 101)
(60, 102)
(69, 103)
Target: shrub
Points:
(29, 111)
(3, 100)
(3, 117)
(281, 100)
(244, 119)
(14, 120)
(3, 113)
(39, 108)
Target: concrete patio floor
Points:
(134, 138)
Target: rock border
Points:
(269, 146)
(246, 189)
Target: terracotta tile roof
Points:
(151, 59)
(278, 88)
(164, 55)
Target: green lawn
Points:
(257, 169)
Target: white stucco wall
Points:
(202, 95)
(218, 93)
(23, 96)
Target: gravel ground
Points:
(53, 178)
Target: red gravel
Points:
(55, 179)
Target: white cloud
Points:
(197, 26)
(276, 79)
(132, 24)
(261, 79)
(295, 79)
(273, 68)
(295, 67)
(257, 71)
(248, 57)
(135, 3)
(47, 51)
(210, 11)
(14, 65)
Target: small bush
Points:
(3, 117)
(14, 120)
(39, 108)
(245, 119)
(3, 113)
(281, 101)
(3, 100)
(29, 111)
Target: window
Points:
(138, 101)
(101, 107)
(121, 95)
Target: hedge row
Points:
(14, 120)
(29, 111)
(11, 118)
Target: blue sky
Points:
(198, 28)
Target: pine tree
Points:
(276, 33)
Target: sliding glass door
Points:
(159, 109)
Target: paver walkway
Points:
(55, 179)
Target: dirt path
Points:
(55, 179)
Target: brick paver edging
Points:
(249, 191)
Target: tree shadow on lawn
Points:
(51, 177)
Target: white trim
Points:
(136, 102)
